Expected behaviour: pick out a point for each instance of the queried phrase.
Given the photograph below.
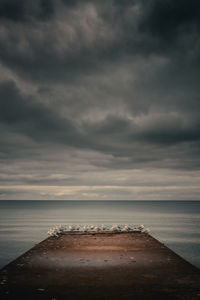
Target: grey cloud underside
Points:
(27, 116)
(114, 135)
(104, 85)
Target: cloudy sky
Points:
(100, 99)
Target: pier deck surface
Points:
(103, 265)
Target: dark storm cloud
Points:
(131, 19)
(22, 10)
(171, 135)
(163, 129)
(90, 87)
(24, 114)
(58, 49)
(168, 18)
(91, 34)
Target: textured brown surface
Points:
(100, 266)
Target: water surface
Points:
(25, 223)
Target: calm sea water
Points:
(25, 223)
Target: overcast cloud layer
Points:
(100, 99)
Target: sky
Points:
(99, 100)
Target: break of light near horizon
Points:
(99, 99)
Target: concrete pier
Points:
(100, 265)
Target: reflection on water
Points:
(24, 223)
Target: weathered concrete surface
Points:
(100, 266)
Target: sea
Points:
(25, 223)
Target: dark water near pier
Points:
(25, 223)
